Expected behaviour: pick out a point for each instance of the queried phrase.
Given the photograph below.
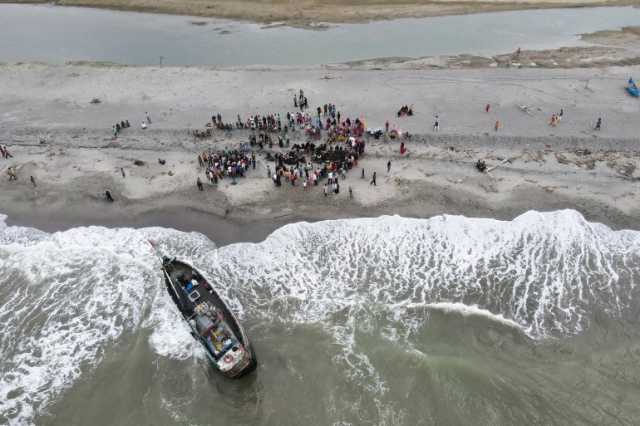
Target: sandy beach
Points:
(308, 12)
(56, 135)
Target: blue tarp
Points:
(632, 89)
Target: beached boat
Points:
(212, 323)
(632, 88)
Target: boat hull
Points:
(248, 362)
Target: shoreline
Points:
(56, 135)
(314, 12)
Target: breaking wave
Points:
(66, 297)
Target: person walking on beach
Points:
(362, 174)
(107, 195)
(436, 125)
(33, 181)
(373, 180)
(599, 124)
(350, 193)
(148, 117)
(388, 166)
(326, 189)
(122, 171)
(497, 125)
(199, 184)
(487, 108)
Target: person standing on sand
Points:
(326, 189)
(199, 184)
(148, 117)
(388, 166)
(350, 193)
(497, 125)
(599, 124)
(107, 195)
(373, 180)
(362, 175)
(122, 171)
(487, 108)
(12, 174)
(386, 127)
(33, 181)
(436, 125)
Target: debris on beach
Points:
(161, 161)
(95, 101)
(582, 152)
(138, 162)
(561, 158)
(627, 169)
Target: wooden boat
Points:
(212, 323)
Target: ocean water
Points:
(378, 321)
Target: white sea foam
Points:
(544, 272)
(464, 310)
(65, 297)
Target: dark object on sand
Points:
(107, 195)
(161, 161)
(95, 101)
(33, 181)
(481, 166)
(122, 171)
(211, 322)
(138, 162)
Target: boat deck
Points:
(180, 274)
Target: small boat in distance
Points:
(212, 323)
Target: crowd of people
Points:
(309, 163)
(405, 110)
(118, 127)
(228, 163)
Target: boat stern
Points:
(236, 363)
